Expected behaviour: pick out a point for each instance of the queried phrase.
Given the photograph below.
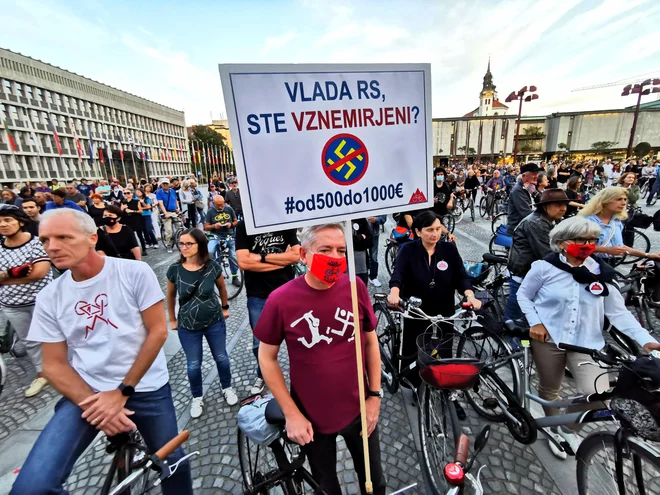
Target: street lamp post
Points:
(640, 91)
(520, 95)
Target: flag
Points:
(130, 140)
(101, 155)
(215, 151)
(162, 155)
(58, 145)
(169, 156)
(199, 156)
(174, 152)
(37, 144)
(10, 137)
(79, 150)
(155, 154)
(91, 146)
(121, 148)
(194, 155)
(107, 148)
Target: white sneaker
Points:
(375, 282)
(258, 386)
(572, 439)
(559, 454)
(197, 407)
(230, 396)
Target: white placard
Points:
(324, 143)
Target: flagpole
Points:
(121, 156)
(36, 143)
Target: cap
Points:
(529, 167)
(165, 181)
(553, 196)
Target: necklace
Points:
(432, 283)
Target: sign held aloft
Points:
(321, 143)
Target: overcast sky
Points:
(168, 51)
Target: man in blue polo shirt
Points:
(60, 201)
(167, 201)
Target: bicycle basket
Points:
(634, 401)
(449, 373)
(252, 422)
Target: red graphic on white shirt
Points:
(596, 289)
(94, 312)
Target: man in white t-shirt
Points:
(108, 314)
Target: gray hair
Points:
(573, 228)
(308, 236)
(84, 223)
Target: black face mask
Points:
(109, 221)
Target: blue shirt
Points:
(606, 232)
(85, 189)
(51, 205)
(168, 199)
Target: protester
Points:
(220, 222)
(84, 188)
(233, 198)
(614, 175)
(542, 183)
(362, 238)
(104, 188)
(572, 192)
(377, 224)
(24, 271)
(188, 203)
(72, 194)
(60, 201)
(132, 217)
(521, 202)
(116, 195)
(565, 298)
(114, 239)
(9, 197)
(266, 260)
(324, 402)
(443, 199)
(31, 209)
(41, 200)
(147, 226)
(169, 207)
(96, 209)
(102, 327)
(43, 188)
(531, 242)
(627, 181)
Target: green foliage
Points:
(603, 145)
(207, 135)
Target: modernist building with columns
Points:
(488, 132)
(37, 98)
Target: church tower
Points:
(488, 95)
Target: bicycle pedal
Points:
(567, 448)
(490, 403)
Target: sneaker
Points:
(258, 386)
(572, 439)
(197, 407)
(557, 452)
(375, 282)
(235, 281)
(230, 396)
(169, 250)
(36, 387)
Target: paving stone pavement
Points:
(511, 467)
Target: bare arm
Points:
(137, 253)
(154, 321)
(246, 263)
(222, 289)
(61, 376)
(39, 270)
(171, 300)
(162, 207)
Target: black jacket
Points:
(531, 242)
(362, 236)
(520, 205)
(413, 274)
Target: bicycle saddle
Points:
(517, 328)
(494, 260)
(274, 414)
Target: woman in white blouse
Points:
(565, 298)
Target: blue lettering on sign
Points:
(254, 126)
(323, 91)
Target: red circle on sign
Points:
(361, 150)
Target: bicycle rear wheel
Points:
(496, 249)
(483, 207)
(388, 333)
(640, 242)
(596, 467)
(501, 219)
(449, 222)
(472, 215)
(439, 430)
(234, 284)
(390, 257)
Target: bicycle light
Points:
(454, 474)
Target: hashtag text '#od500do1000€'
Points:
(329, 199)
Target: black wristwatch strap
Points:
(126, 390)
(225, 307)
(378, 393)
(263, 257)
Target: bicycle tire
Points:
(176, 236)
(444, 428)
(232, 290)
(501, 219)
(449, 222)
(483, 207)
(390, 257)
(3, 374)
(644, 191)
(497, 250)
(472, 214)
(640, 242)
(388, 335)
(162, 236)
(118, 469)
(601, 441)
(457, 214)
(493, 347)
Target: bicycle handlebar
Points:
(604, 357)
(167, 449)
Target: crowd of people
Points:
(96, 332)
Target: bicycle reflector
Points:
(454, 474)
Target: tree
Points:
(471, 150)
(562, 146)
(207, 135)
(534, 132)
(603, 145)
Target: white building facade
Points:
(87, 116)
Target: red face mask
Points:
(580, 251)
(327, 269)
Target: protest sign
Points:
(319, 143)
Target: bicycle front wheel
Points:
(390, 257)
(501, 219)
(448, 222)
(483, 207)
(640, 242)
(439, 430)
(233, 281)
(596, 467)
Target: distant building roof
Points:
(646, 106)
(499, 104)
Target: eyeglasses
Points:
(186, 244)
(585, 241)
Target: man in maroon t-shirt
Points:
(313, 314)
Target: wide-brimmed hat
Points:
(553, 196)
(529, 167)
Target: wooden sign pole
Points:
(350, 255)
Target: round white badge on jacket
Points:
(596, 288)
(442, 265)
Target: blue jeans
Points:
(191, 341)
(214, 251)
(654, 191)
(512, 310)
(255, 306)
(67, 435)
(373, 257)
(149, 234)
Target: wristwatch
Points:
(126, 390)
(378, 394)
(225, 307)
(263, 257)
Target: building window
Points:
(49, 97)
(74, 104)
(7, 86)
(58, 100)
(28, 91)
(40, 96)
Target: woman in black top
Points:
(472, 184)
(133, 217)
(96, 209)
(563, 174)
(117, 240)
(576, 201)
(433, 271)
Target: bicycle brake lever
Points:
(169, 469)
(476, 481)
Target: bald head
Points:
(219, 202)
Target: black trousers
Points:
(322, 457)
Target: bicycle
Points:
(391, 252)
(131, 464)
(177, 227)
(278, 465)
(226, 261)
(499, 219)
(635, 289)
(492, 203)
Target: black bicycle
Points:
(178, 221)
(277, 466)
(133, 471)
(637, 288)
(233, 283)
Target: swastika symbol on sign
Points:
(345, 159)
